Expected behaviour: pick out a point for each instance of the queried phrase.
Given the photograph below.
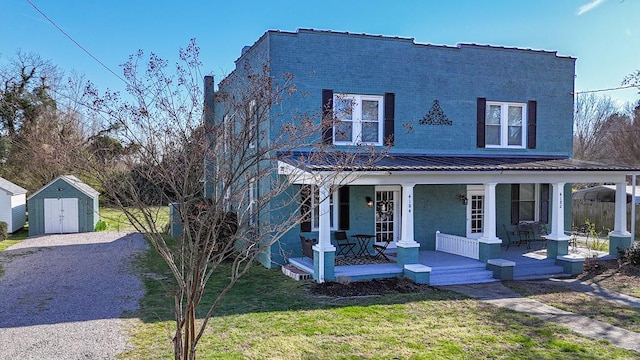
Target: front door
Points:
(475, 211)
(387, 206)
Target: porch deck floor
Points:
(529, 263)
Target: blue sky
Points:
(604, 35)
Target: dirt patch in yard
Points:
(368, 288)
(613, 275)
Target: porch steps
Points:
(460, 274)
(295, 273)
(541, 269)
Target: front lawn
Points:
(14, 238)
(580, 303)
(268, 315)
(117, 221)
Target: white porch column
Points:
(620, 222)
(620, 239)
(407, 239)
(489, 243)
(557, 221)
(324, 231)
(408, 247)
(489, 223)
(557, 218)
(557, 241)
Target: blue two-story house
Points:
(475, 140)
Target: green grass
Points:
(14, 238)
(268, 315)
(117, 221)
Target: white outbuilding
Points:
(13, 205)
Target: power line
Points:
(601, 90)
(75, 42)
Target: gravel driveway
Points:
(67, 296)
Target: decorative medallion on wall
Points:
(435, 116)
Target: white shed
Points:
(13, 205)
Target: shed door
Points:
(60, 216)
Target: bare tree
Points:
(233, 156)
(591, 136)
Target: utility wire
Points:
(601, 90)
(75, 42)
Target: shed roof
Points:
(11, 188)
(73, 181)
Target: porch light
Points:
(463, 199)
(369, 201)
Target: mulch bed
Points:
(368, 287)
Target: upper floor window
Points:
(505, 124)
(252, 202)
(253, 122)
(360, 119)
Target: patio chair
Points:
(513, 237)
(525, 232)
(345, 246)
(380, 247)
(539, 232)
(307, 246)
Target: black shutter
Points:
(544, 203)
(515, 203)
(343, 210)
(480, 116)
(327, 116)
(531, 124)
(389, 118)
(305, 208)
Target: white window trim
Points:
(252, 124)
(504, 125)
(333, 207)
(356, 121)
(226, 133)
(251, 208)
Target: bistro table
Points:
(364, 240)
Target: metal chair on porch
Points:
(380, 247)
(539, 232)
(513, 236)
(345, 247)
(307, 246)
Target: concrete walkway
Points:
(499, 295)
(597, 290)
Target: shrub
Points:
(632, 254)
(3, 230)
(101, 226)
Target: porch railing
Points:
(457, 245)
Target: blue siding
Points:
(438, 208)
(420, 74)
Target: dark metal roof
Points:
(311, 161)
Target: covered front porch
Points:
(425, 201)
(451, 269)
